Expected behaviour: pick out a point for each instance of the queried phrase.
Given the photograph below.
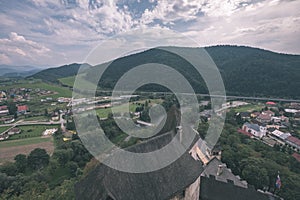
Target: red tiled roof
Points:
(271, 103)
(22, 108)
(293, 140)
(296, 156)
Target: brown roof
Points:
(293, 140)
(296, 156)
(269, 112)
(264, 117)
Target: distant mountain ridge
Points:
(245, 71)
(18, 71)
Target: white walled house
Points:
(255, 130)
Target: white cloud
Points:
(17, 47)
(70, 29)
(4, 59)
(265, 25)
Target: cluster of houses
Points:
(266, 126)
(16, 94)
(12, 131)
(22, 94)
(6, 118)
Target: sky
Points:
(55, 32)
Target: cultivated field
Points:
(9, 149)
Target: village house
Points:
(245, 115)
(255, 130)
(22, 109)
(279, 135)
(2, 96)
(265, 116)
(48, 132)
(4, 110)
(293, 141)
(14, 131)
(4, 137)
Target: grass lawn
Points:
(25, 141)
(69, 81)
(4, 128)
(248, 108)
(36, 118)
(31, 131)
(103, 112)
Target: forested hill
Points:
(246, 71)
(53, 74)
(257, 72)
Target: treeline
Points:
(41, 176)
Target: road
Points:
(209, 95)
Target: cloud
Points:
(69, 29)
(18, 47)
(264, 24)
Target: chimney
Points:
(220, 170)
(179, 129)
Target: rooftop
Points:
(294, 140)
(252, 126)
(211, 169)
(162, 184)
(212, 189)
(296, 156)
(22, 108)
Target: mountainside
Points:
(257, 72)
(53, 74)
(245, 71)
(17, 71)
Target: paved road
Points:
(20, 123)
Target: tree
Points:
(12, 108)
(256, 176)
(37, 159)
(72, 167)
(9, 168)
(63, 156)
(21, 162)
(46, 112)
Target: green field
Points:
(31, 131)
(69, 81)
(248, 108)
(36, 118)
(60, 91)
(4, 128)
(104, 112)
(26, 141)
